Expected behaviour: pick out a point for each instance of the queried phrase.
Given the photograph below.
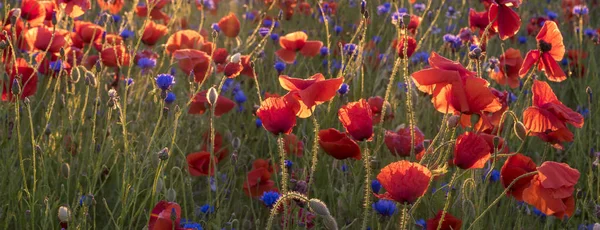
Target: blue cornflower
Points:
(420, 57)
(522, 39)
(583, 111)
(586, 226)
(564, 61)
(324, 51)
(146, 63)
(207, 209)
(288, 163)
(170, 98)
(190, 225)
(344, 167)
(125, 34)
(274, 37)
(56, 66)
(343, 89)
(164, 81)
(589, 32)
(173, 71)
(258, 123)
(419, 7)
(397, 17)
(270, 198)
(452, 13)
(580, 10)
(239, 97)
(249, 16)
(382, 9)
(227, 84)
(435, 30)
(279, 66)
(494, 175)
(422, 223)
(402, 86)
(385, 207)
(376, 39)
(267, 23)
(349, 49)
(129, 81)
(337, 29)
(454, 41)
(551, 14)
(375, 186)
(263, 31)
(539, 213)
(116, 18)
(215, 27)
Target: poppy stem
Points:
(281, 201)
(315, 151)
(500, 197)
(404, 216)
(367, 198)
(284, 176)
(448, 198)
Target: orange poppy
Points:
(411, 46)
(199, 164)
(454, 88)
(357, 119)
(551, 190)
(515, 166)
(399, 142)
(292, 145)
(153, 33)
(550, 49)
(297, 42)
(87, 32)
(200, 104)
(508, 69)
(278, 115)
(187, 39)
(338, 145)
(504, 19)
(404, 181)
(547, 118)
(33, 12)
(74, 8)
(193, 62)
(28, 81)
(449, 223)
(115, 56)
(491, 122)
(471, 151)
(310, 92)
(162, 216)
(230, 25)
(113, 6)
(376, 104)
(39, 38)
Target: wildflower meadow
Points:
(300, 114)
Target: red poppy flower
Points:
(162, 216)
(33, 12)
(576, 62)
(87, 32)
(39, 38)
(292, 145)
(547, 118)
(398, 143)
(193, 62)
(376, 104)
(153, 33)
(454, 88)
(399, 46)
(145, 54)
(489, 139)
(220, 151)
(28, 81)
(550, 49)
(449, 223)
(113, 6)
(357, 119)
(187, 39)
(199, 164)
(74, 8)
(278, 115)
(479, 20)
(504, 19)
(515, 166)
(551, 190)
(200, 104)
(338, 145)
(297, 42)
(220, 56)
(230, 25)
(110, 39)
(310, 92)
(248, 70)
(404, 181)
(259, 180)
(471, 151)
(234, 67)
(508, 69)
(414, 23)
(115, 56)
(490, 122)
(155, 12)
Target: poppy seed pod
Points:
(453, 121)
(319, 207)
(64, 214)
(90, 79)
(236, 143)
(171, 195)
(16, 88)
(212, 96)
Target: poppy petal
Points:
(531, 59)
(311, 48)
(286, 55)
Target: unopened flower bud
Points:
(171, 195)
(330, 223)
(318, 207)
(90, 79)
(64, 214)
(15, 88)
(212, 96)
(520, 130)
(236, 58)
(453, 121)
(163, 154)
(65, 170)
(160, 184)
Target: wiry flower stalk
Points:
(367, 195)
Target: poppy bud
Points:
(160, 184)
(16, 14)
(171, 195)
(318, 207)
(236, 143)
(520, 130)
(330, 223)
(16, 89)
(62, 52)
(496, 141)
(215, 34)
(112, 93)
(54, 18)
(212, 96)
(453, 121)
(90, 79)
(236, 58)
(366, 14)
(64, 214)
(588, 90)
(26, 101)
(3, 44)
(163, 154)
(65, 169)
(280, 15)
(363, 7)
